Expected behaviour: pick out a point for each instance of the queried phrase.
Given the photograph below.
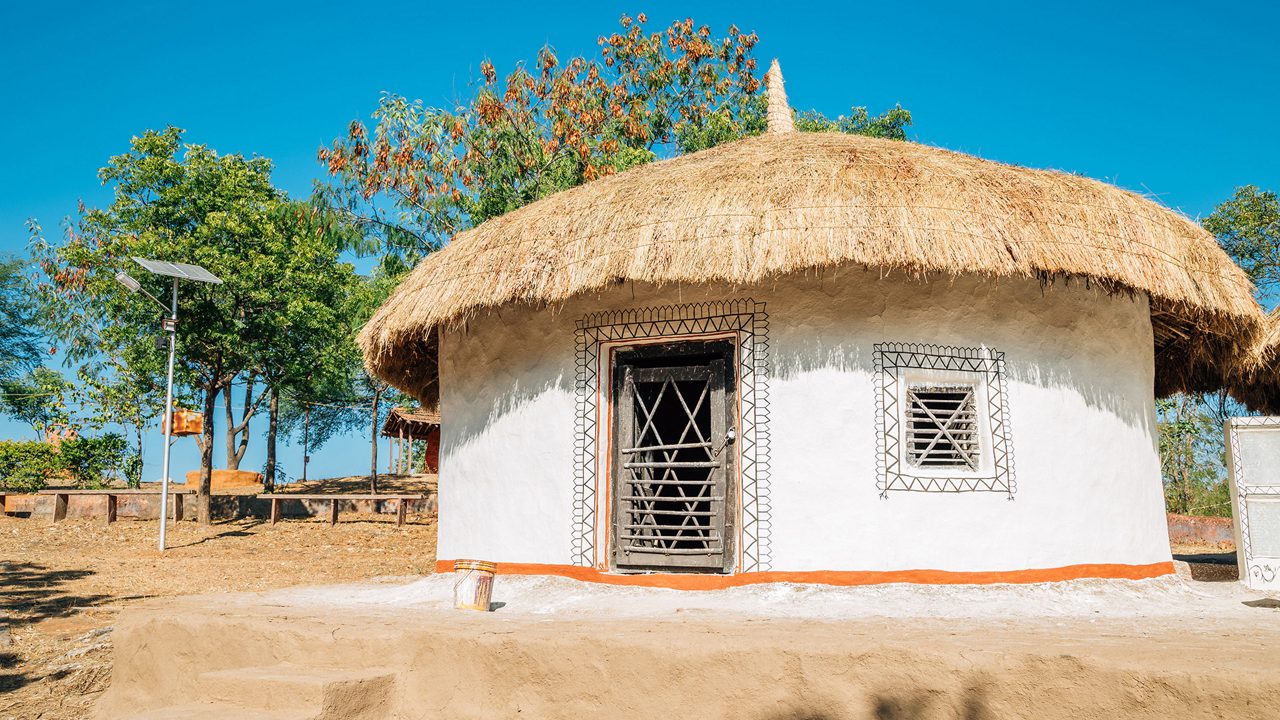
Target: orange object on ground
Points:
(226, 479)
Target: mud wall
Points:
(1079, 377)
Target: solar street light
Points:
(177, 271)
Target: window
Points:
(942, 420)
(942, 427)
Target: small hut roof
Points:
(414, 424)
(1257, 384)
(789, 201)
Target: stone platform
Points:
(556, 648)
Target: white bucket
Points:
(473, 584)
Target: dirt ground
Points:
(63, 585)
(558, 649)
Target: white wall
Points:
(1079, 379)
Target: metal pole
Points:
(168, 416)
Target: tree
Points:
(184, 203)
(20, 350)
(312, 351)
(424, 173)
(1192, 456)
(371, 390)
(1248, 228)
(42, 398)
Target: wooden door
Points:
(673, 460)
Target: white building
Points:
(813, 357)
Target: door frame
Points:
(725, 345)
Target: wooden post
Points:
(112, 504)
(333, 511)
(275, 510)
(410, 471)
(59, 507)
(177, 506)
(400, 511)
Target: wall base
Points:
(841, 578)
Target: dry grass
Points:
(62, 586)
(1258, 382)
(786, 202)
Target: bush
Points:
(27, 465)
(92, 460)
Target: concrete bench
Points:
(335, 498)
(61, 496)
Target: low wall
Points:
(1198, 530)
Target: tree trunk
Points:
(238, 432)
(203, 513)
(273, 417)
(1188, 456)
(306, 439)
(373, 458)
(137, 434)
(233, 463)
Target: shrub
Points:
(92, 460)
(26, 465)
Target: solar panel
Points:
(178, 270)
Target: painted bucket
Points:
(473, 584)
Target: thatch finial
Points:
(779, 112)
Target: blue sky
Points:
(1174, 99)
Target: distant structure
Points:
(407, 427)
(814, 357)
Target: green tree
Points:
(20, 350)
(1248, 228)
(1192, 456)
(43, 399)
(312, 351)
(370, 390)
(185, 203)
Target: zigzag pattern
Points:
(889, 360)
(746, 317)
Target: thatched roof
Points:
(1257, 382)
(412, 424)
(787, 201)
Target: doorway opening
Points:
(674, 458)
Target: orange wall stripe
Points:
(835, 577)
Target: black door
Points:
(674, 457)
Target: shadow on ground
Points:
(29, 593)
(907, 705)
(242, 530)
(1211, 567)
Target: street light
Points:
(177, 271)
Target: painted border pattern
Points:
(750, 321)
(892, 475)
(1262, 571)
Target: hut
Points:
(813, 357)
(404, 428)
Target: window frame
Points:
(900, 366)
